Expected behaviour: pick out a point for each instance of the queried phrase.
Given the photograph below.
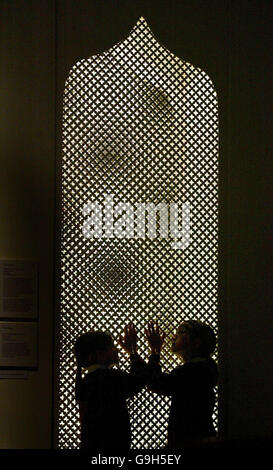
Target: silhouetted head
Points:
(194, 338)
(95, 347)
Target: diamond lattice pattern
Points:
(141, 125)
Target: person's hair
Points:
(89, 344)
(204, 333)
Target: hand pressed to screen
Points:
(129, 341)
(154, 337)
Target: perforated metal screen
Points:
(139, 126)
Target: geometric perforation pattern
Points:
(139, 124)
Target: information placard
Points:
(18, 289)
(18, 345)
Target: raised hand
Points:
(129, 341)
(155, 339)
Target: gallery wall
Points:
(27, 194)
(229, 40)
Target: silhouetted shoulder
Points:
(203, 368)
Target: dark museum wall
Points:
(229, 40)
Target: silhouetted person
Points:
(190, 385)
(103, 391)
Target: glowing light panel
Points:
(140, 125)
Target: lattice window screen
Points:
(141, 125)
